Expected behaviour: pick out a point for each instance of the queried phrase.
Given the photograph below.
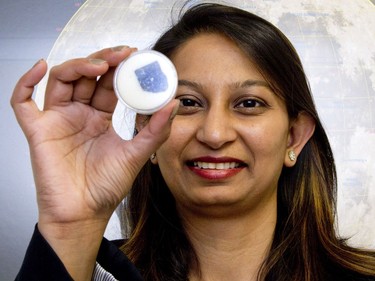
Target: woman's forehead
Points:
(212, 53)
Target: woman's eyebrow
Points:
(251, 83)
(189, 84)
(240, 84)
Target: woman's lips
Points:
(213, 168)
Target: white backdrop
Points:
(336, 41)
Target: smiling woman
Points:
(244, 103)
(219, 129)
(241, 184)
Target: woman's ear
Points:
(301, 130)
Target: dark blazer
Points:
(41, 263)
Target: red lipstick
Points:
(215, 168)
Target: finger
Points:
(149, 139)
(21, 101)
(75, 80)
(84, 87)
(113, 56)
(25, 85)
(105, 98)
(63, 79)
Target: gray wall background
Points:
(28, 30)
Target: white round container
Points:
(146, 81)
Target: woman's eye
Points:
(250, 103)
(188, 102)
(188, 106)
(251, 106)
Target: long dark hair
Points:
(305, 244)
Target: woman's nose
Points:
(217, 129)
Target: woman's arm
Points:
(42, 263)
(82, 168)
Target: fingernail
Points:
(134, 50)
(119, 48)
(174, 112)
(38, 62)
(97, 61)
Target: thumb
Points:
(148, 140)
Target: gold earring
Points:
(153, 156)
(292, 155)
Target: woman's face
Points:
(229, 139)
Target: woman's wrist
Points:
(76, 244)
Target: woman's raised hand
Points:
(82, 168)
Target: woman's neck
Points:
(230, 248)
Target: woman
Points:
(240, 186)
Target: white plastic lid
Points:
(146, 81)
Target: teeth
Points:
(216, 166)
